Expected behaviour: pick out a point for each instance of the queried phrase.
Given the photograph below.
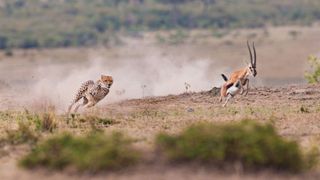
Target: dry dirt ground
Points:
(294, 110)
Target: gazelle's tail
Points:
(224, 77)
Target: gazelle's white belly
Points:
(233, 90)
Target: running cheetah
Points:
(92, 92)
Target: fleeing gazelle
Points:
(241, 75)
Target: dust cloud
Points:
(150, 75)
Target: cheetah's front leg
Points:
(91, 100)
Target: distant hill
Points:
(63, 23)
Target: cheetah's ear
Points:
(103, 77)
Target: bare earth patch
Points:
(294, 110)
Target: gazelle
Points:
(240, 75)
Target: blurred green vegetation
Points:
(94, 152)
(63, 23)
(250, 143)
(23, 135)
(313, 76)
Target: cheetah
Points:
(92, 92)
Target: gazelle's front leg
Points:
(247, 89)
(241, 88)
(223, 92)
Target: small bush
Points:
(24, 134)
(294, 34)
(178, 37)
(95, 122)
(45, 122)
(313, 76)
(94, 152)
(220, 33)
(8, 52)
(252, 144)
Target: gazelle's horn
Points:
(255, 56)
(251, 60)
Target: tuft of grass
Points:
(219, 33)
(304, 109)
(48, 122)
(24, 134)
(45, 122)
(94, 152)
(254, 145)
(95, 122)
(100, 122)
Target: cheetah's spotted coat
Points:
(92, 92)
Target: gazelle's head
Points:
(252, 67)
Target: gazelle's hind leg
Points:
(227, 100)
(223, 92)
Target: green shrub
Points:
(94, 152)
(8, 52)
(250, 143)
(29, 43)
(313, 76)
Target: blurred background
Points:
(151, 47)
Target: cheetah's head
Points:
(107, 80)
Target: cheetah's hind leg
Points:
(85, 101)
(73, 103)
(70, 107)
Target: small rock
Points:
(190, 110)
